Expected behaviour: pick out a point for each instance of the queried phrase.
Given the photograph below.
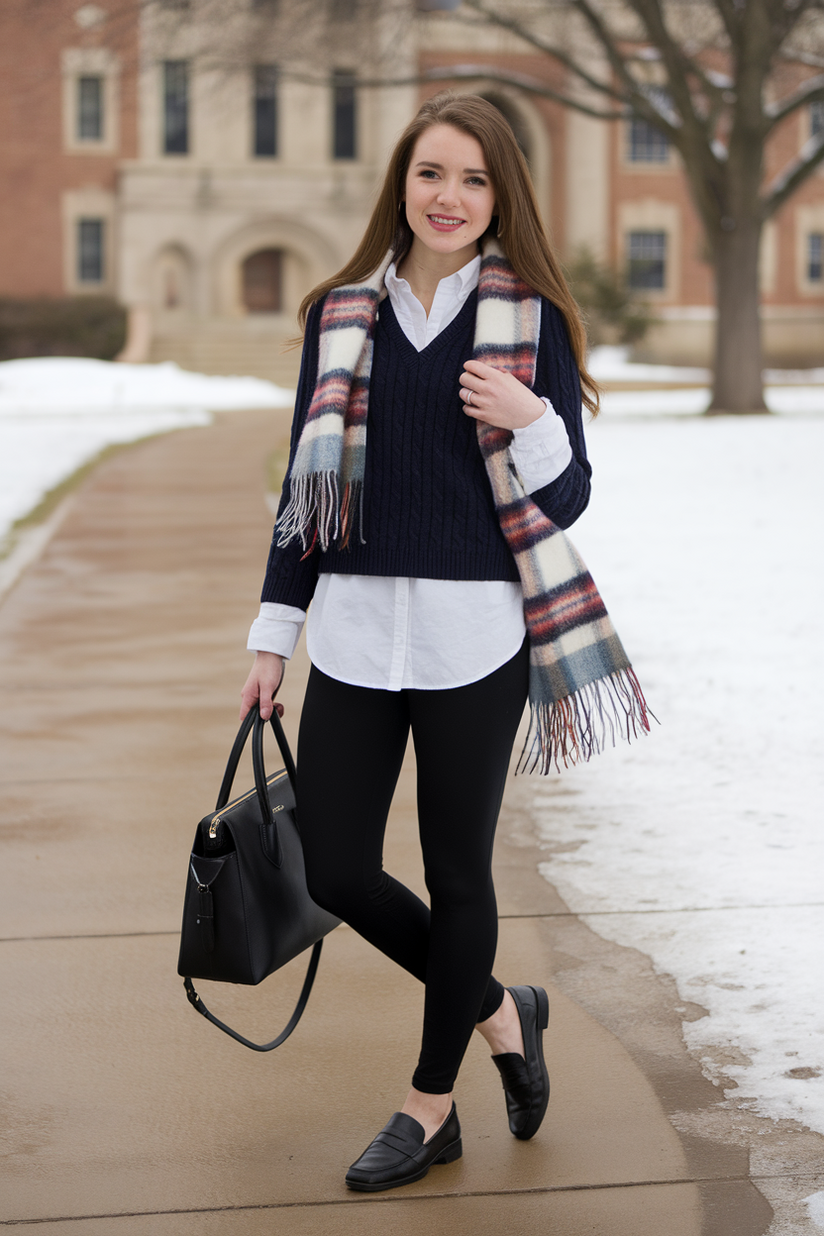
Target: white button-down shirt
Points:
(396, 633)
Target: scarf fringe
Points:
(320, 514)
(571, 730)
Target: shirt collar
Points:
(463, 281)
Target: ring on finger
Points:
(468, 398)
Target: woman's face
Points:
(449, 196)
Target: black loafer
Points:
(399, 1155)
(525, 1078)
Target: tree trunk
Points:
(737, 385)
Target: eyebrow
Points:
(468, 171)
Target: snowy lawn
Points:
(702, 845)
(57, 413)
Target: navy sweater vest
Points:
(428, 510)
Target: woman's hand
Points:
(498, 398)
(262, 685)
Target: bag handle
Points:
(253, 720)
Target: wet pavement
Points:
(121, 1111)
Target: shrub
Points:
(71, 326)
(612, 312)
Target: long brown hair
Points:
(517, 222)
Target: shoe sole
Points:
(452, 1152)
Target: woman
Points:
(417, 619)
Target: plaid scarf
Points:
(582, 688)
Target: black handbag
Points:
(247, 910)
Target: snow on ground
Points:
(702, 845)
(612, 364)
(57, 413)
(788, 400)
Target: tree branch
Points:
(811, 92)
(521, 81)
(786, 183)
(730, 16)
(547, 49)
(678, 65)
(633, 92)
(465, 72)
(796, 56)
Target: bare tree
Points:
(733, 71)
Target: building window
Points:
(815, 257)
(90, 250)
(89, 109)
(344, 115)
(175, 107)
(647, 260)
(816, 118)
(265, 111)
(646, 143)
(262, 281)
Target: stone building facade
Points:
(207, 161)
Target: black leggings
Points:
(351, 745)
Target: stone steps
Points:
(208, 351)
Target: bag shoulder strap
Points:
(196, 1003)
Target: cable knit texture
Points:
(428, 507)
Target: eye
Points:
(477, 181)
(429, 174)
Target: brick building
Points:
(68, 118)
(184, 156)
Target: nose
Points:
(449, 194)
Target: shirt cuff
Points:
(277, 629)
(541, 450)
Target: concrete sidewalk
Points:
(123, 1112)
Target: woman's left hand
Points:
(497, 397)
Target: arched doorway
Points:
(262, 281)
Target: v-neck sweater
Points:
(428, 510)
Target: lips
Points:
(445, 223)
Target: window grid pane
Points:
(647, 257)
(90, 109)
(90, 262)
(646, 143)
(176, 107)
(266, 111)
(815, 257)
(343, 115)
